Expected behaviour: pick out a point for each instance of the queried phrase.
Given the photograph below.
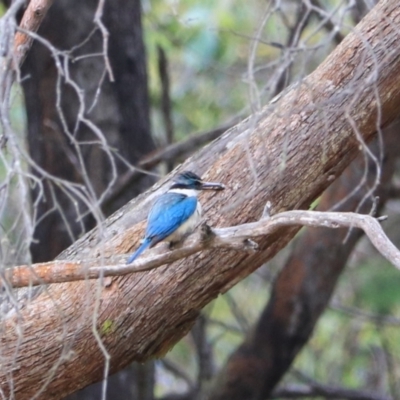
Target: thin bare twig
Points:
(326, 21)
(365, 316)
(97, 20)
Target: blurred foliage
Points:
(356, 346)
(209, 46)
(378, 286)
(206, 44)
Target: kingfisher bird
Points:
(176, 213)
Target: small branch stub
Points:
(267, 210)
(250, 245)
(206, 232)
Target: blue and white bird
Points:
(176, 213)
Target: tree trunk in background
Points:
(304, 287)
(121, 112)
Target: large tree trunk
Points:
(288, 154)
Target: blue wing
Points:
(168, 213)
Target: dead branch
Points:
(33, 17)
(326, 21)
(232, 238)
(365, 316)
(105, 34)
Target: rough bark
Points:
(304, 286)
(288, 154)
(121, 112)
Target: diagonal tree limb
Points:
(303, 288)
(289, 153)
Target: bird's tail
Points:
(146, 243)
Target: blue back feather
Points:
(168, 213)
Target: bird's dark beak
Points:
(212, 186)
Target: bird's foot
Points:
(206, 232)
(174, 245)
